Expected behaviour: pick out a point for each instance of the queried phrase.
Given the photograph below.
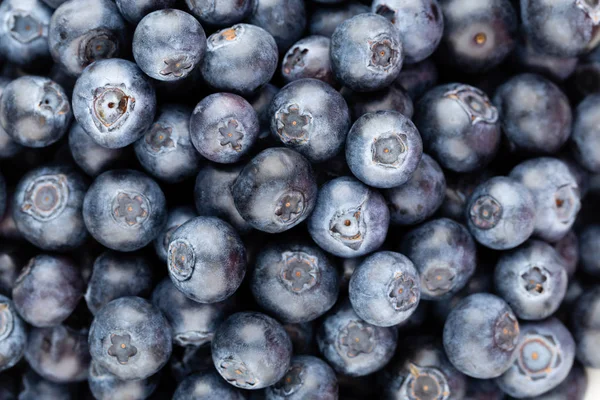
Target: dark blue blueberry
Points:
(294, 282)
(11, 261)
(484, 389)
(589, 242)
(106, 386)
(324, 19)
(54, 3)
(567, 249)
(392, 98)
(206, 385)
(176, 217)
(544, 357)
(350, 219)
(224, 127)
(586, 327)
(168, 45)
(302, 337)
(8, 147)
(284, 19)
(47, 290)
(308, 58)
(124, 210)
(459, 126)
(134, 10)
(189, 360)
(535, 114)
(385, 289)
(206, 259)
(84, 31)
(13, 334)
(586, 134)
(383, 149)
(166, 150)
(48, 203)
(459, 188)
(445, 255)
(261, 102)
(586, 78)
(117, 275)
(34, 111)
(418, 78)
(352, 346)
(481, 336)
(130, 338)
(555, 192)
(251, 350)
(532, 60)
(240, 59)
(366, 52)
(310, 117)
(220, 13)
(34, 387)
(307, 378)
(114, 102)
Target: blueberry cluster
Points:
(299, 199)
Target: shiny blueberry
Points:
(307, 378)
(324, 19)
(220, 13)
(284, 19)
(308, 58)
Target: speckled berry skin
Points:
(114, 102)
(500, 213)
(207, 385)
(294, 282)
(555, 192)
(324, 19)
(352, 346)
(47, 208)
(535, 114)
(357, 45)
(589, 240)
(13, 335)
(444, 253)
(206, 259)
(385, 289)
(481, 336)
(35, 111)
(459, 126)
(219, 13)
(545, 355)
(284, 19)
(134, 10)
(586, 327)
(308, 58)
(392, 98)
(124, 210)
(240, 59)
(586, 134)
(106, 386)
(383, 149)
(308, 377)
(310, 117)
(130, 338)
(175, 218)
(251, 350)
(350, 219)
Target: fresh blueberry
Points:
(206, 385)
(130, 338)
(251, 350)
(261, 102)
(392, 98)
(481, 336)
(459, 188)
(532, 60)
(294, 282)
(106, 386)
(352, 346)
(8, 147)
(418, 78)
(484, 389)
(13, 334)
(34, 387)
(220, 13)
(34, 111)
(284, 19)
(302, 337)
(385, 289)
(445, 255)
(586, 78)
(383, 149)
(308, 58)
(459, 126)
(586, 327)
(114, 102)
(589, 242)
(575, 386)
(366, 52)
(350, 219)
(11, 260)
(175, 218)
(124, 210)
(168, 45)
(324, 19)
(555, 192)
(567, 249)
(54, 3)
(544, 357)
(586, 134)
(307, 378)
(206, 259)
(133, 10)
(189, 360)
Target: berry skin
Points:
(284, 19)
(586, 134)
(308, 377)
(324, 19)
(8, 147)
(417, 79)
(106, 386)
(175, 218)
(554, 67)
(133, 11)
(392, 98)
(206, 385)
(13, 334)
(589, 239)
(568, 251)
(308, 58)
(586, 327)
(219, 13)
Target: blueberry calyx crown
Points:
(591, 8)
(348, 226)
(485, 212)
(534, 279)
(6, 320)
(506, 332)
(357, 338)
(130, 209)
(237, 373)
(177, 66)
(439, 280)
(294, 59)
(290, 206)
(97, 44)
(291, 382)
(224, 37)
(52, 100)
(384, 53)
(46, 197)
(159, 139)
(567, 203)
(425, 383)
(111, 107)
(300, 271)
(402, 292)
(181, 259)
(538, 356)
(292, 124)
(389, 150)
(475, 103)
(24, 27)
(121, 348)
(232, 134)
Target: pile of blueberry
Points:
(303, 200)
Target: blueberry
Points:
(295, 282)
(284, 19)
(418, 78)
(224, 127)
(385, 289)
(350, 219)
(206, 385)
(251, 350)
(444, 253)
(124, 210)
(555, 192)
(589, 239)
(586, 78)
(586, 135)
(586, 327)
(34, 111)
(3, 196)
(240, 59)
(117, 275)
(11, 261)
(166, 150)
(189, 360)
(308, 58)
(276, 190)
(366, 52)
(84, 31)
(13, 334)
(459, 188)
(484, 389)
(54, 3)
(535, 114)
(310, 117)
(420, 23)
(206, 259)
(352, 346)
(168, 45)
(176, 217)
(545, 355)
(459, 126)
(261, 102)
(324, 19)
(133, 10)
(302, 337)
(575, 386)
(130, 338)
(106, 386)
(532, 60)
(8, 147)
(567, 249)
(481, 336)
(48, 203)
(114, 102)
(307, 378)
(383, 149)
(392, 98)
(220, 13)
(34, 387)
(418, 198)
